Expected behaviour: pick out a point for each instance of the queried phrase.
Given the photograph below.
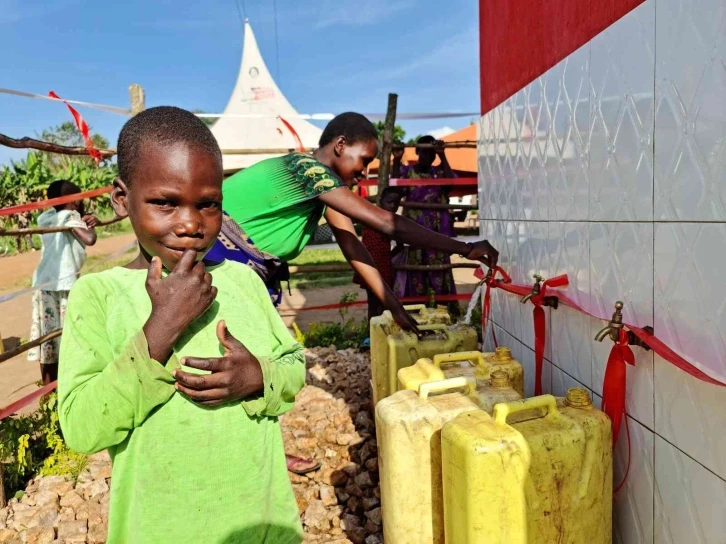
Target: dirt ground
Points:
(18, 377)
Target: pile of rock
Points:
(54, 510)
(332, 422)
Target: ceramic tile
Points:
(565, 156)
(633, 503)
(691, 414)
(622, 112)
(561, 382)
(572, 343)
(621, 268)
(639, 378)
(689, 501)
(690, 314)
(526, 357)
(571, 257)
(690, 155)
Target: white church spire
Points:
(256, 94)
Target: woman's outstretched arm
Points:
(361, 261)
(345, 202)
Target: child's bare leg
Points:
(375, 308)
(49, 373)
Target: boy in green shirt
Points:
(178, 368)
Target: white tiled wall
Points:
(611, 168)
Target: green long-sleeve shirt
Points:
(181, 472)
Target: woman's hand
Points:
(483, 252)
(90, 220)
(404, 319)
(234, 376)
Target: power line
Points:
(239, 11)
(277, 43)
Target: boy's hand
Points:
(176, 301)
(234, 376)
(397, 151)
(90, 220)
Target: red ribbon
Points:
(82, 127)
(540, 330)
(300, 146)
(54, 201)
(22, 403)
(614, 386)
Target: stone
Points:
(61, 488)
(357, 535)
(338, 478)
(6, 535)
(72, 500)
(375, 516)
(40, 535)
(369, 503)
(90, 511)
(67, 514)
(349, 521)
(24, 519)
(327, 495)
(69, 529)
(95, 488)
(371, 528)
(345, 439)
(97, 532)
(46, 517)
(372, 464)
(316, 517)
(100, 471)
(373, 539)
(364, 481)
(47, 498)
(49, 483)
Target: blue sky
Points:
(334, 55)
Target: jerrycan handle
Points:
(475, 356)
(428, 368)
(415, 308)
(426, 388)
(433, 327)
(502, 410)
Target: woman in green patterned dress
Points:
(273, 208)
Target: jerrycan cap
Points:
(577, 397)
(503, 354)
(500, 380)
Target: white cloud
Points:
(362, 12)
(439, 133)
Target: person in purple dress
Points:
(408, 283)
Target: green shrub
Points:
(33, 444)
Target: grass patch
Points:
(318, 280)
(319, 257)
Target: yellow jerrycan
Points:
(544, 475)
(480, 366)
(489, 392)
(405, 348)
(408, 429)
(384, 325)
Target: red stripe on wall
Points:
(519, 40)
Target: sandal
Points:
(301, 465)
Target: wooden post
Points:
(138, 98)
(387, 145)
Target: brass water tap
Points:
(613, 329)
(549, 301)
(535, 289)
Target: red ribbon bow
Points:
(82, 127)
(613, 390)
(540, 330)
